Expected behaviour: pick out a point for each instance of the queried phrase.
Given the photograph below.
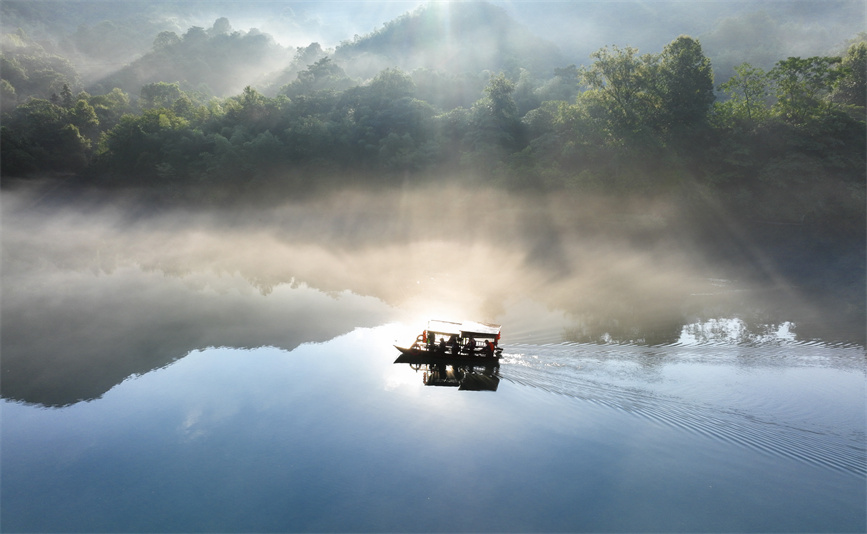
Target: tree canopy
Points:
(625, 122)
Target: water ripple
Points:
(638, 380)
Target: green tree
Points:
(16, 158)
(184, 107)
(66, 99)
(159, 95)
(85, 119)
(137, 145)
(309, 138)
(165, 40)
(13, 73)
(392, 84)
(498, 99)
(41, 136)
(685, 78)
(8, 97)
(110, 107)
(563, 86)
(308, 55)
(525, 95)
(383, 122)
(450, 130)
(253, 104)
(852, 87)
(621, 86)
(322, 75)
(803, 85)
(496, 120)
(256, 112)
(71, 150)
(747, 92)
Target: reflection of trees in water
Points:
(672, 329)
(738, 331)
(643, 329)
(716, 311)
(157, 284)
(68, 337)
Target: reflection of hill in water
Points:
(98, 291)
(86, 333)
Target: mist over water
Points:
(85, 280)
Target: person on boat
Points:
(489, 347)
(442, 345)
(431, 339)
(420, 340)
(453, 343)
(471, 345)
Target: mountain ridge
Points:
(455, 38)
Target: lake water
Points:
(198, 371)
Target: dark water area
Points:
(191, 370)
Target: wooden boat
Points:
(452, 343)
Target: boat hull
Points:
(424, 356)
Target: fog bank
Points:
(95, 291)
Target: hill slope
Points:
(223, 60)
(455, 38)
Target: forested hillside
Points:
(217, 112)
(217, 61)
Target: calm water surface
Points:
(336, 437)
(157, 380)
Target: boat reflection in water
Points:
(463, 377)
(463, 355)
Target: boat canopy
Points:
(464, 329)
(443, 327)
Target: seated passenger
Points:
(453, 343)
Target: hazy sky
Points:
(569, 23)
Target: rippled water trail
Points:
(803, 401)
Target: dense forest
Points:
(784, 143)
